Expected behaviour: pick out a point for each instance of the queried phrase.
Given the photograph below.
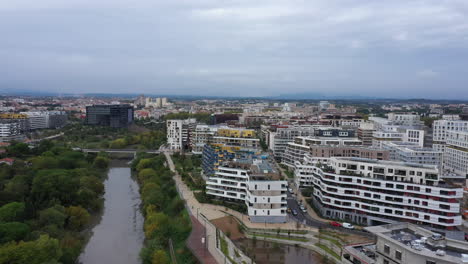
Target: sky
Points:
(391, 49)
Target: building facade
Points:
(178, 132)
(371, 192)
(253, 182)
(116, 116)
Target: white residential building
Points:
(10, 131)
(375, 192)
(279, 137)
(405, 119)
(450, 137)
(412, 153)
(255, 183)
(178, 133)
(202, 135)
(46, 119)
(440, 129)
(295, 151)
(456, 153)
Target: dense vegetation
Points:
(135, 137)
(46, 199)
(201, 117)
(189, 168)
(166, 218)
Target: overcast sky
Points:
(394, 48)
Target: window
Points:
(386, 249)
(398, 254)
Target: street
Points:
(304, 218)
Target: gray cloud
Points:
(377, 48)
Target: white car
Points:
(304, 210)
(291, 190)
(348, 226)
(302, 207)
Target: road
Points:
(304, 218)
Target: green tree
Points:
(118, 143)
(78, 217)
(53, 216)
(145, 174)
(13, 231)
(40, 251)
(45, 162)
(50, 185)
(101, 162)
(18, 149)
(143, 164)
(12, 212)
(160, 257)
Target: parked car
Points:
(348, 225)
(304, 210)
(333, 223)
(302, 207)
(294, 212)
(288, 210)
(291, 190)
(466, 236)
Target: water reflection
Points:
(264, 252)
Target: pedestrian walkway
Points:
(196, 245)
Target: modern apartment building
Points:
(116, 116)
(398, 134)
(254, 182)
(220, 135)
(412, 153)
(201, 136)
(10, 131)
(372, 192)
(295, 151)
(365, 133)
(21, 119)
(456, 153)
(178, 132)
(46, 119)
(237, 137)
(278, 137)
(450, 137)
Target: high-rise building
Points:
(116, 116)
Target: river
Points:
(118, 238)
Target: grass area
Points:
(329, 251)
(334, 241)
(282, 237)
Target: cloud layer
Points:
(395, 48)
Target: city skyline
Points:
(268, 48)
